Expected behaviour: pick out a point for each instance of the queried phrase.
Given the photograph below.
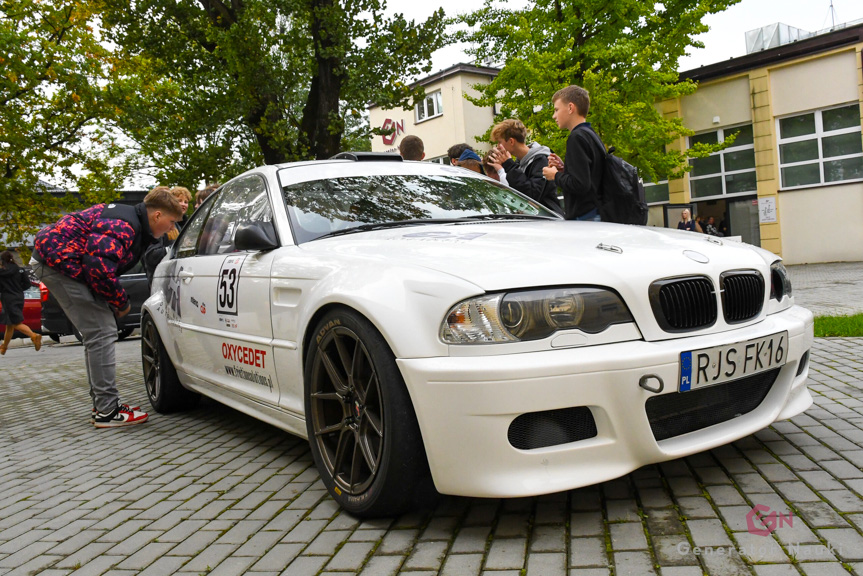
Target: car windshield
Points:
(352, 204)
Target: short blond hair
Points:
(576, 95)
(181, 193)
(507, 129)
(160, 198)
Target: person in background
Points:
(156, 253)
(205, 193)
(412, 148)
(686, 221)
(579, 179)
(455, 151)
(183, 196)
(470, 160)
(12, 302)
(525, 174)
(493, 170)
(80, 258)
(710, 227)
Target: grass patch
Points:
(839, 326)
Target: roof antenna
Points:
(832, 15)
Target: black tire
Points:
(124, 333)
(362, 428)
(54, 337)
(164, 390)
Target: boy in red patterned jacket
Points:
(80, 258)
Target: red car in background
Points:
(32, 311)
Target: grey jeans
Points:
(95, 321)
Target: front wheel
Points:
(361, 423)
(163, 386)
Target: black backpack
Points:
(24, 279)
(622, 198)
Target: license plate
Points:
(710, 366)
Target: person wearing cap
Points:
(471, 160)
(455, 151)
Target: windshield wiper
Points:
(506, 217)
(391, 224)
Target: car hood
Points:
(508, 254)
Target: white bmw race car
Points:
(428, 328)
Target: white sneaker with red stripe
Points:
(126, 406)
(123, 415)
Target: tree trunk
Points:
(321, 126)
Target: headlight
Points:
(780, 283)
(532, 315)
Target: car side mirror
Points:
(259, 236)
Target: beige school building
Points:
(792, 180)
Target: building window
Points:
(430, 107)
(655, 192)
(821, 147)
(728, 172)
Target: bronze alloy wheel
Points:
(347, 415)
(150, 359)
(160, 377)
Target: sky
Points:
(726, 38)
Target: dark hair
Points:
(205, 193)
(7, 257)
(411, 148)
(575, 94)
(456, 150)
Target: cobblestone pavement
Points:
(215, 492)
(834, 289)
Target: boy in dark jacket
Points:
(580, 178)
(526, 174)
(80, 258)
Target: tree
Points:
(55, 73)
(624, 52)
(213, 87)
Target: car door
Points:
(224, 329)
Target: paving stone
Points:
(673, 551)
(546, 564)
(628, 536)
(633, 564)
(506, 553)
(462, 565)
(351, 556)
(696, 507)
(586, 524)
(846, 543)
(469, 539)
(383, 566)
(663, 522)
(822, 569)
(756, 548)
(548, 539)
(820, 515)
(708, 533)
(587, 552)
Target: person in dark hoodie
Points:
(80, 258)
(525, 175)
(581, 177)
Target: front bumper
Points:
(465, 406)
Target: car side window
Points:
(188, 242)
(241, 202)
